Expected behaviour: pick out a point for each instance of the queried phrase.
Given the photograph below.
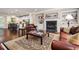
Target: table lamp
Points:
(69, 17)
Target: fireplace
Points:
(51, 26)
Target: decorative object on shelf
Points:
(68, 18)
(52, 16)
(41, 18)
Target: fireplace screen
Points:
(51, 26)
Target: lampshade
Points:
(69, 17)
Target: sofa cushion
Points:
(60, 45)
(74, 39)
(74, 30)
(67, 30)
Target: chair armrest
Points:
(60, 45)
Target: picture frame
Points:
(52, 16)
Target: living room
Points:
(45, 28)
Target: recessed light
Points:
(35, 9)
(11, 12)
(16, 10)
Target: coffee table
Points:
(36, 34)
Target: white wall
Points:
(59, 19)
(78, 17)
(2, 22)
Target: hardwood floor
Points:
(9, 35)
(1, 47)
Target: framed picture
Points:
(52, 16)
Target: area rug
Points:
(33, 43)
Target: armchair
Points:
(63, 42)
(30, 27)
(61, 45)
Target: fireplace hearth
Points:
(51, 26)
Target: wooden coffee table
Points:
(36, 34)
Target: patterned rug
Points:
(33, 43)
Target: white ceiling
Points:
(20, 11)
(26, 11)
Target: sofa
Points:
(74, 30)
(68, 40)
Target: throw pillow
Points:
(74, 39)
(67, 30)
